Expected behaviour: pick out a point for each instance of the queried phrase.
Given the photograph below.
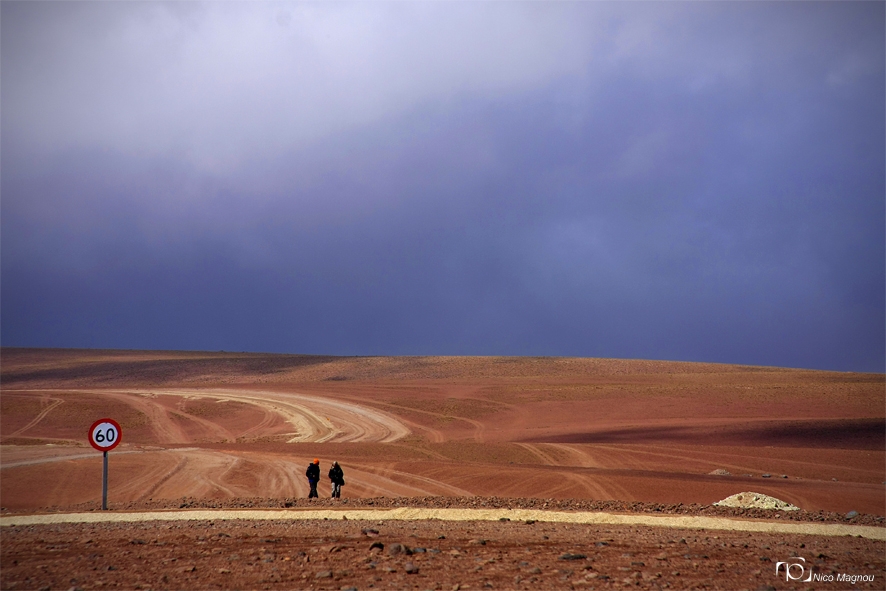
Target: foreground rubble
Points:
(354, 554)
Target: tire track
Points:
(479, 428)
(314, 419)
(534, 449)
(61, 458)
(151, 490)
(437, 487)
(317, 419)
(40, 416)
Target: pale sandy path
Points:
(409, 514)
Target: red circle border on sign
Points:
(96, 424)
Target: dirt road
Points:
(424, 514)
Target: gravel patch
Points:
(753, 500)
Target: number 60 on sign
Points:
(104, 435)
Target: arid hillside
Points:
(230, 425)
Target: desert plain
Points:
(231, 432)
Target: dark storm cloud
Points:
(682, 181)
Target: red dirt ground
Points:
(223, 425)
(336, 555)
(218, 426)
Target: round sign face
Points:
(105, 434)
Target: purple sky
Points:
(690, 181)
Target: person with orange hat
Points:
(313, 474)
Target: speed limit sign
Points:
(104, 435)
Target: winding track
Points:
(309, 418)
(145, 473)
(313, 419)
(45, 411)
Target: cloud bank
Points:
(685, 181)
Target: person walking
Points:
(313, 474)
(338, 480)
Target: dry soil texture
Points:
(390, 554)
(223, 426)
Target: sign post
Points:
(105, 435)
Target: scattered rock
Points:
(410, 568)
(720, 472)
(851, 514)
(767, 475)
(552, 559)
(323, 574)
(395, 549)
(752, 500)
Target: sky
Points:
(698, 181)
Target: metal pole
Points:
(105, 483)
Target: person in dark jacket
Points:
(338, 480)
(313, 474)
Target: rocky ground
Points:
(337, 555)
(342, 554)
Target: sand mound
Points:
(752, 500)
